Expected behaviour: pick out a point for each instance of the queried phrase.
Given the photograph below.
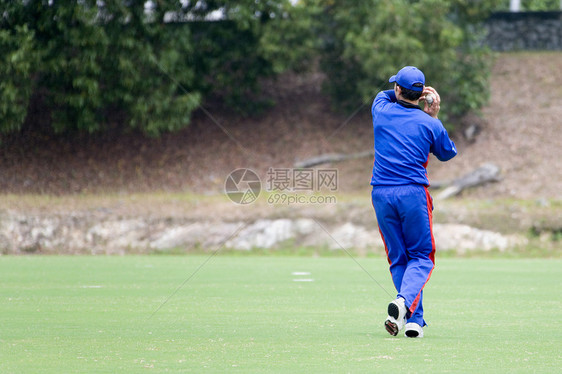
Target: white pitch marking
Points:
(90, 286)
(300, 273)
(303, 280)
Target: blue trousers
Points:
(405, 215)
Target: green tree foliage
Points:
(144, 71)
(228, 63)
(97, 63)
(363, 43)
(91, 63)
(291, 42)
(230, 56)
(17, 62)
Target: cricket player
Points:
(405, 135)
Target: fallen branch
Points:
(482, 175)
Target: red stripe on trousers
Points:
(385, 247)
(432, 253)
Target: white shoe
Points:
(413, 330)
(396, 317)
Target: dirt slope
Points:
(522, 134)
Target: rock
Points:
(118, 233)
(463, 238)
(203, 235)
(305, 226)
(351, 236)
(471, 132)
(263, 234)
(97, 234)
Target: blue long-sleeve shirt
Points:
(404, 137)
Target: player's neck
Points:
(413, 102)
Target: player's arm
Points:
(388, 95)
(443, 147)
(383, 98)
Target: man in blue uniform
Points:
(405, 135)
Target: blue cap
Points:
(409, 77)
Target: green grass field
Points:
(252, 314)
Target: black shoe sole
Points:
(393, 311)
(411, 333)
(391, 327)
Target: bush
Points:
(91, 65)
(17, 63)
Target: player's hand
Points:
(433, 109)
